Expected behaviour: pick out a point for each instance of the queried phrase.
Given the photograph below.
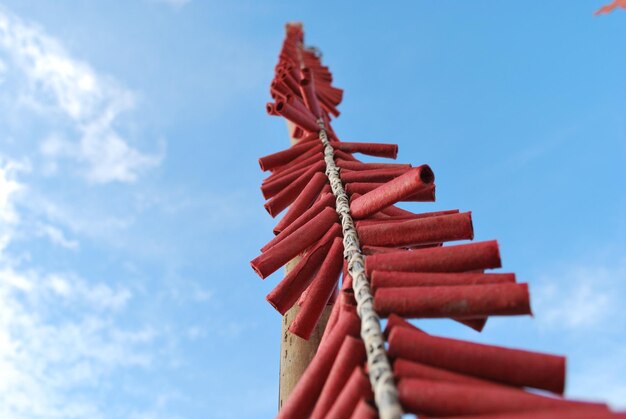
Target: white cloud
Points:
(8, 188)
(69, 92)
(60, 335)
(580, 297)
(582, 305)
(56, 236)
(47, 353)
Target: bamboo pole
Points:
(295, 352)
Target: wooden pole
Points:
(295, 352)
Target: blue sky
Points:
(129, 201)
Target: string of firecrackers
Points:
(410, 273)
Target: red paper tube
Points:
(351, 355)
(371, 149)
(459, 258)
(271, 109)
(427, 194)
(504, 365)
(305, 393)
(288, 79)
(283, 157)
(393, 191)
(477, 323)
(342, 307)
(291, 172)
(281, 200)
(297, 162)
(344, 156)
(394, 211)
(364, 410)
(567, 412)
(376, 175)
(289, 290)
(320, 290)
(396, 321)
(299, 105)
(327, 200)
(439, 398)
(333, 317)
(401, 219)
(460, 302)
(303, 202)
(283, 252)
(291, 113)
(278, 89)
(355, 165)
(307, 89)
(270, 189)
(408, 369)
(296, 132)
(374, 250)
(328, 105)
(389, 279)
(289, 169)
(358, 387)
(427, 230)
(329, 99)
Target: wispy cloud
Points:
(56, 236)
(84, 106)
(582, 304)
(580, 297)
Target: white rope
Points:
(380, 372)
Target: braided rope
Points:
(380, 373)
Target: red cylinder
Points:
(356, 165)
(459, 258)
(290, 112)
(371, 149)
(283, 157)
(364, 410)
(281, 200)
(376, 175)
(393, 191)
(305, 393)
(307, 89)
(403, 218)
(388, 279)
(275, 257)
(358, 387)
(396, 321)
(419, 231)
(575, 411)
(408, 369)
(459, 302)
(287, 292)
(271, 188)
(303, 202)
(328, 200)
(296, 162)
(318, 293)
(350, 356)
(508, 366)
(298, 166)
(439, 398)
(427, 194)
